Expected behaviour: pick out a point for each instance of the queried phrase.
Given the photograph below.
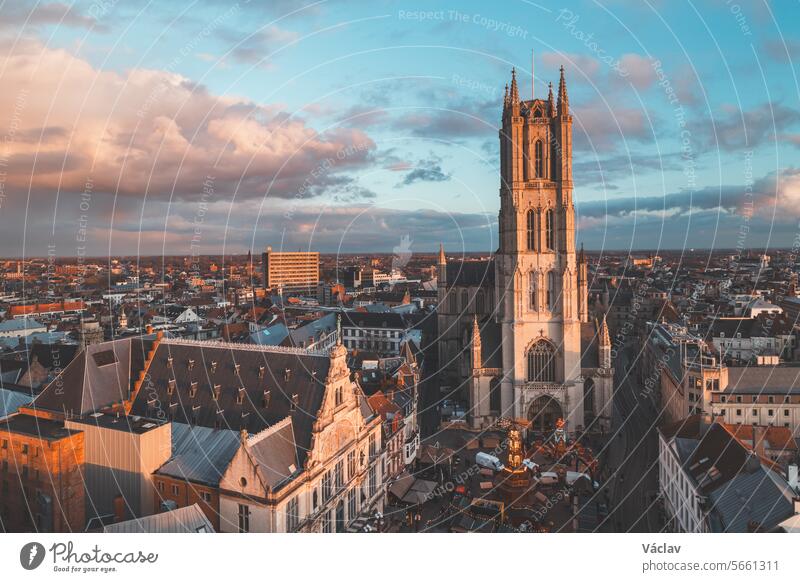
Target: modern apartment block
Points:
(291, 271)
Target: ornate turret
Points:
(551, 109)
(506, 100)
(563, 100)
(604, 345)
(477, 358)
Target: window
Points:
(338, 396)
(532, 290)
(541, 362)
(338, 475)
(5, 444)
(351, 464)
(161, 487)
(549, 230)
(327, 522)
(480, 307)
(770, 412)
(205, 496)
(551, 290)
(175, 490)
(292, 515)
(373, 445)
(244, 518)
(538, 159)
(327, 489)
(372, 482)
(755, 412)
(351, 505)
(738, 412)
(786, 412)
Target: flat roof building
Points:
(291, 271)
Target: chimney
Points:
(119, 509)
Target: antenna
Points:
(533, 93)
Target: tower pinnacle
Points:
(563, 100)
(514, 89)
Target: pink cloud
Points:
(154, 132)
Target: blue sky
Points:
(186, 127)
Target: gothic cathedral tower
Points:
(540, 283)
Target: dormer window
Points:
(169, 362)
(261, 370)
(217, 390)
(265, 399)
(193, 390)
(213, 367)
(240, 396)
(295, 401)
(171, 387)
(237, 368)
(287, 374)
(190, 364)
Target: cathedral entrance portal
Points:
(544, 412)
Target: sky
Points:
(207, 126)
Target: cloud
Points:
(775, 196)
(734, 129)
(155, 133)
(426, 171)
(258, 47)
(782, 51)
(18, 14)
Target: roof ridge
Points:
(241, 346)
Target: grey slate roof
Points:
(240, 403)
(200, 454)
(763, 379)
(275, 454)
(470, 273)
(11, 400)
(189, 519)
(99, 376)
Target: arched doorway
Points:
(544, 412)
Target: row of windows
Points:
(534, 227)
(533, 291)
(770, 399)
(480, 302)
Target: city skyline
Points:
(231, 129)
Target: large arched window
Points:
(551, 290)
(542, 362)
(480, 303)
(532, 284)
(538, 157)
(464, 300)
(531, 218)
(553, 158)
(550, 230)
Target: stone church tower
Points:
(515, 338)
(537, 274)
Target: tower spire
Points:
(514, 89)
(477, 360)
(506, 100)
(442, 258)
(605, 339)
(563, 100)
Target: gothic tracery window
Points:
(549, 230)
(551, 290)
(542, 362)
(538, 157)
(531, 232)
(532, 284)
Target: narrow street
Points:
(633, 455)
